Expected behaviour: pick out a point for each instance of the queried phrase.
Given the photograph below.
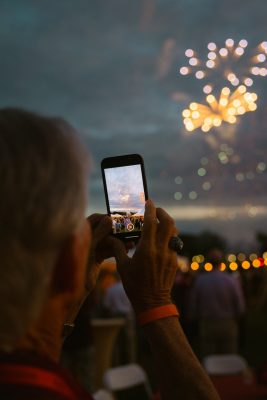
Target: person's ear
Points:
(70, 269)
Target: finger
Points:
(101, 229)
(94, 273)
(166, 227)
(94, 219)
(149, 228)
(119, 252)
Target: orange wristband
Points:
(169, 310)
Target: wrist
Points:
(149, 302)
(157, 313)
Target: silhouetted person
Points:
(50, 257)
(217, 305)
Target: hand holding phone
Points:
(126, 193)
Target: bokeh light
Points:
(245, 264)
(178, 196)
(233, 266)
(227, 108)
(234, 63)
(194, 266)
(208, 267)
(222, 267)
(253, 256)
(256, 263)
(231, 258)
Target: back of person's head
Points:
(43, 190)
(215, 256)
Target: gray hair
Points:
(43, 195)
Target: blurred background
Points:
(112, 69)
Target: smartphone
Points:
(126, 193)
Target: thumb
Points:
(101, 226)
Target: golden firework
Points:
(227, 108)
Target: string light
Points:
(234, 262)
(256, 263)
(194, 266)
(245, 264)
(222, 267)
(208, 267)
(233, 266)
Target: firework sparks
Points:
(207, 175)
(227, 108)
(234, 61)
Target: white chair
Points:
(105, 332)
(126, 377)
(225, 364)
(102, 394)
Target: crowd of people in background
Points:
(213, 306)
(127, 223)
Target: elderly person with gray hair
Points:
(49, 261)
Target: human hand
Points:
(101, 226)
(101, 246)
(149, 275)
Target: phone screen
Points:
(126, 197)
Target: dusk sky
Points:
(125, 188)
(111, 68)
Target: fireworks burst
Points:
(234, 62)
(227, 108)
